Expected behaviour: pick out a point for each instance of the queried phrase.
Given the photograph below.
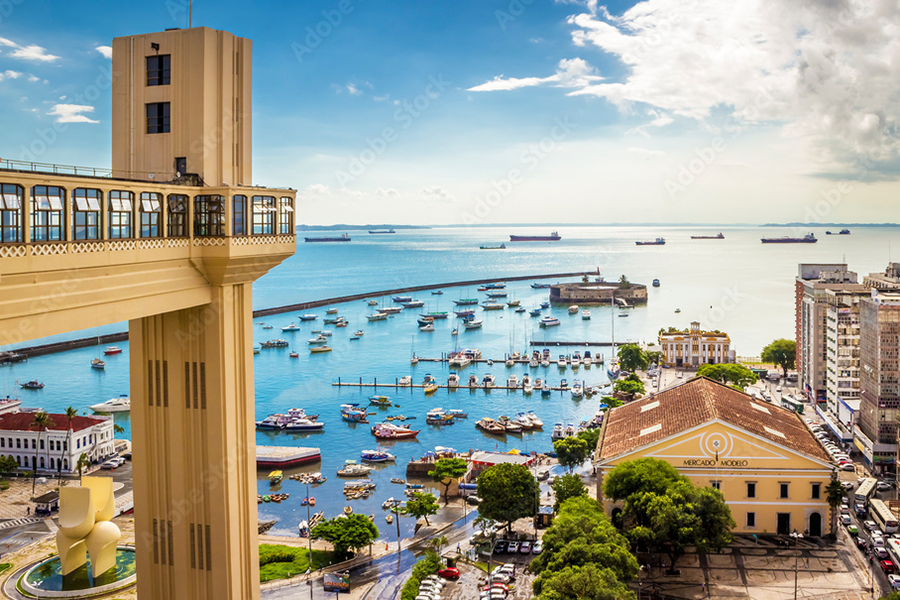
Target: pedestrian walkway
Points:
(19, 522)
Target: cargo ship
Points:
(553, 237)
(343, 238)
(374, 231)
(656, 242)
(809, 238)
(708, 237)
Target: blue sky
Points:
(540, 111)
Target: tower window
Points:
(209, 216)
(120, 211)
(177, 221)
(239, 214)
(47, 216)
(86, 214)
(11, 203)
(150, 213)
(285, 216)
(158, 69)
(158, 117)
(263, 215)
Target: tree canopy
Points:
(352, 532)
(665, 511)
(781, 352)
(508, 492)
(446, 470)
(582, 536)
(834, 493)
(739, 375)
(571, 452)
(592, 437)
(584, 583)
(421, 505)
(629, 388)
(565, 487)
(632, 358)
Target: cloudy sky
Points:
(478, 111)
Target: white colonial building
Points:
(57, 447)
(694, 347)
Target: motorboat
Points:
(380, 400)
(275, 344)
(372, 302)
(473, 323)
(473, 381)
(389, 431)
(534, 362)
(376, 456)
(512, 382)
(406, 380)
(573, 309)
(588, 360)
(429, 378)
(294, 354)
(509, 425)
(526, 379)
(291, 327)
(549, 321)
(428, 328)
(563, 384)
(562, 361)
(458, 413)
(489, 425)
(453, 380)
(327, 333)
(304, 425)
(414, 360)
(454, 332)
(354, 470)
(319, 339)
(586, 315)
(459, 360)
(521, 421)
(114, 405)
(320, 349)
(379, 316)
(430, 388)
(359, 333)
(98, 363)
(546, 389)
(558, 432)
(112, 350)
(577, 390)
(520, 309)
(391, 310)
(545, 362)
(545, 304)
(510, 362)
(488, 381)
(352, 413)
(331, 311)
(535, 312)
(569, 431)
(268, 327)
(309, 317)
(536, 423)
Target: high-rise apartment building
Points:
(842, 359)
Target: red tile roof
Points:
(698, 401)
(21, 421)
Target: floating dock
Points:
(282, 457)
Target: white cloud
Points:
(824, 72)
(352, 194)
(106, 51)
(318, 189)
(436, 193)
(30, 52)
(33, 78)
(9, 75)
(71, 113)
(570, 73)
(354, 91)
(386, 192)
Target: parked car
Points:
(111, 464)
(870, 525)
(887, 566)
(538, 547)
(846, 520)
(513, 547)
(883, 486)
(500, 547)
(525, 547)
(894, 581)
(847, 485)
(847, 467)
(449, 573)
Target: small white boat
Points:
(536, 423)
(527, 388)
(309, 317)
(573, 309)
(406, 380)
(120, 404)
(549, 321)
(291, 327)
(319, 339)
(512, 382)
(453, 380)
(510, 362)
(473, 381)
(562, 362)
(428, 327)
(577, 390)
(586, 315)
(327, 333)
(473, 324)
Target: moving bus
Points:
(865, 490)
(882, 515)
(793, 405)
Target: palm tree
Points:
(834, 493)
(40, 422)
(71, 413)
(82, 463)
(438, 542)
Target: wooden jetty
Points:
(396, 385)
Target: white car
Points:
(847, 467)
(538, 547)
(894, 581)
(871, 525)
(882, 486)
(845, 520)
(111, 464)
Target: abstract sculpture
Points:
(85, 527)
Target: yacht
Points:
(319, 339)
(577, 390)
(428, 327)
(488, 381)
(406, 380)
(557, 432)
(453, 380)
(536, 423)
(526, 379)
(512, 382)
(587, 361)
(473, 381)
(573, 309)
(376, 456)
(291, 327)
(309, 317)
(304, 425)
(489, 425)
(120, 404)
(112, 350)
(586, 315)
(563, 384)
(473, 323)
(549, 321)
(561, 362)
(510, 362)
(527, 388)
(379, 316)
(546, 389)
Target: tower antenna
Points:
(190, 14)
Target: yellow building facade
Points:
(694, 347)
(768, 465)
(173, 247)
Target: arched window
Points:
(42, 444)
(121, 214)
(264, 215)
(239, 214)
(177, 216)
(151, 207)
(285, 216)
(86, 214)
(209, 216)
(47, 215)
(11, 203)
(42, 462)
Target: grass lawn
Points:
(282, 562)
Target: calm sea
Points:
(736, 285)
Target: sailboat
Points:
(98, 363)
(612, 371)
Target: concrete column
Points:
(194, 450)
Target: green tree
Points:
(624, 283)
(8, 464)
(571, 452)
(891, 596)
(628, 388)
(82, 463)
(611, 401)
(581, 534)
(565, 487)
(738, 375)
(592, 437)
(632, 358)
(70, 413)
(508, 492)
(437, 542)
(781, 352)
(641, 475)
(588, 582)
(352, 532)
(653, 356)
(39, 422)
(834, 493)
(421, 505)
(446, 470)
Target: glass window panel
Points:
(81, 202)
(12, 201)
(115, 204)
(94, 203)
(55, 202)
(126, 204)
(43, 203)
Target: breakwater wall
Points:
(122, 336)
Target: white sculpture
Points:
(85, 527)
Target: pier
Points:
(396, 385)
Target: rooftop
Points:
(58, 422)
(699, 401)
(496, 458)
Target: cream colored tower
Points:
(182, 103)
